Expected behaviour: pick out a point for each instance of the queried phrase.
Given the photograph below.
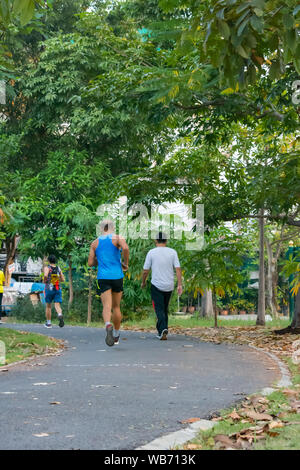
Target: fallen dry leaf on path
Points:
(190, 420)
(275, 424)
(296, 344)
(258, 400)
(282, 415)
(273, 433)
(295, 406)
(248, 432)
(224, 442)
(290, 393)
(234, 415)
(192, 447)
(257, 416)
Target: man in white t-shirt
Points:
(162, 261)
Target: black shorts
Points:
(115, 285)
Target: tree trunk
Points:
(89, 315)
(274, 290)
(294, 327)
(207, 309)
(272, 278)
(296, 318)
(71, 290)
(11, 248)
(198, 303)
(261, 310)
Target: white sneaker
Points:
(163, 335)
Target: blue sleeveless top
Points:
(109, 259)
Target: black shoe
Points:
(110, 340)
(61, 321)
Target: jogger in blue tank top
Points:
(105, 252)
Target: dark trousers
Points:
(160, 300)
(1, 297)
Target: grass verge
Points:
(193, 322)
(147, 320)
(22, 345)
(259, 423)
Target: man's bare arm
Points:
(46, 273)
(179, 280)
(121, 243)
(145, 275)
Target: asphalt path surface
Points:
(96, 397)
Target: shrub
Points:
(24, 310)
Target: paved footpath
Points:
(96, 397)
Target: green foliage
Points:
(291, 269)
(231, 176)
(21, 9)
(241, 304)
(217, 266)
(134, 296)
(241, 39)
(57, 212)
(25, 310)
(87, 79)
(78, 310)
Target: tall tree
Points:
(276, 241)
(261, 309)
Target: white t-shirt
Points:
(162, 261)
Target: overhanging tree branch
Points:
(289, 220)
(219, 102)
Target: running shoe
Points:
(47, 325)
(61, 321)
(110, 341)
(117, 339)
(163, 335)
